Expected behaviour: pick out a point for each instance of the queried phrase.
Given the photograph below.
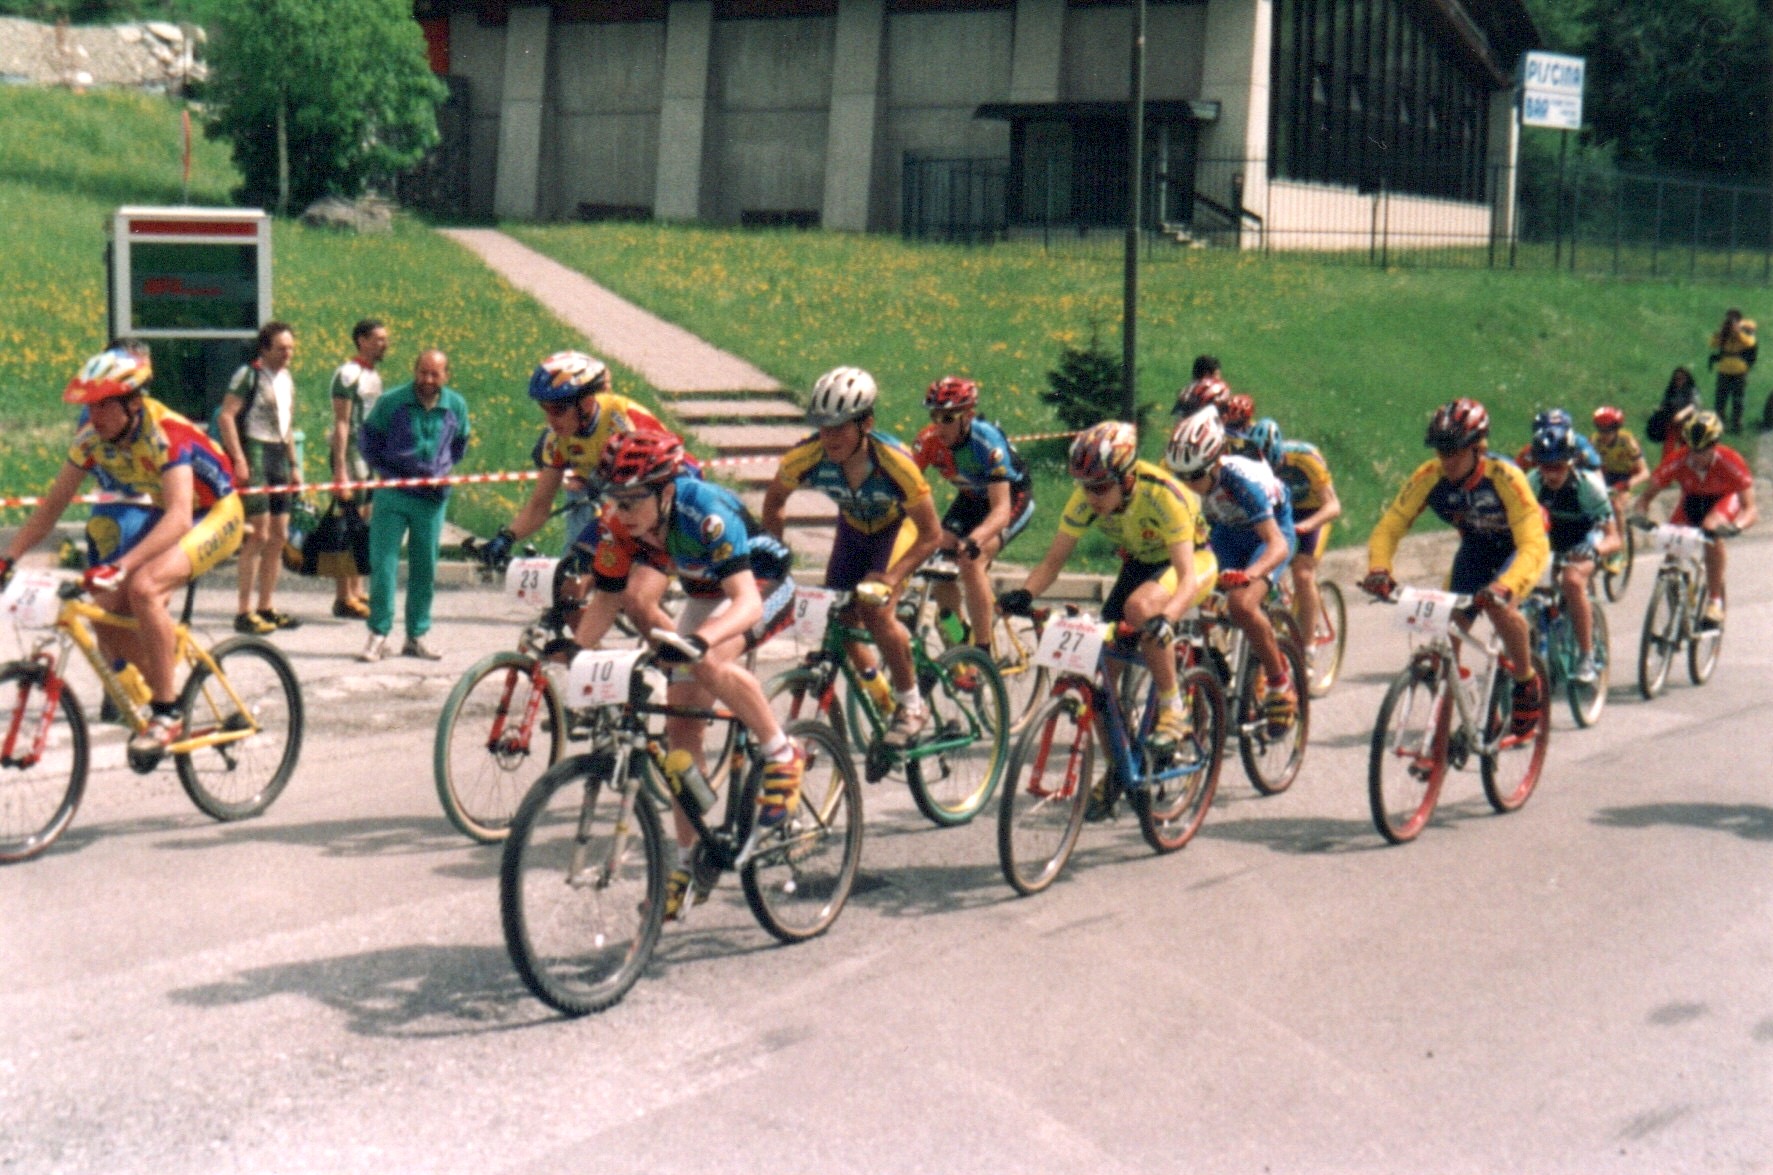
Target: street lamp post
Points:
(1135, 213)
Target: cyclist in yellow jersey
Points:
(572, 390)
(1306, 475)
(1503, 548)
(878, 487)
(1166, 565)
(136, 445)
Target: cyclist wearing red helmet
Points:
(1623, 467)
(994, 495)
(1503, 549)
(135, 445)
(664, 521)
(1208, 389)
(1166, 565)
(1717, 495)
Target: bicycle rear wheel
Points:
(1661, 635)
(801, 874)
(39, 792)
(1329, 640)
(1025, 684)
(488, 752)
(793, 695)
(1616, 572)
(1407, 762)
(951, 787)
(1272, 761)
(1048, 787)
(1702, 652)
(1587, 701)
(1511, 771)
(1171, 808)
(239, 779)
(581, 895)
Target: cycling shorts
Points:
(969, 510)
(1135, 574)
(115, 528)
(215, 536)
(778, 614)
(1478, 564)
(856, 554)
(1312, 543)
(1240, 546)
(1696, 508)
(270, 467)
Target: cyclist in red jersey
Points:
(1717, 495)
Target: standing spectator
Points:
(1732, 354)
(356, 386)
(258, 434)
(1680, 399)
(419, 429)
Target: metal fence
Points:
(1579, 219)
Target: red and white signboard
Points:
(191, 273)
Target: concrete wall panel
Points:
(1098, 48)
(608, 68)
(764, 65)
(765, 160)
(608, 158)
(948, 59)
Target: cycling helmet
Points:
(1265, 435)
(1553, 416)
(1703, 430)
(1607, 418)
(1237, 412)
(1207, 391)
(1457, 425)
(952, 392)
(1196, 444)
(1554, 444)
(641, 458)
(117, 372)
(567, 375)
(1104, 452)
(842, 394)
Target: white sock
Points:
(911, 699)
(778, 748)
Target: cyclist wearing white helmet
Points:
(877, 486)
(135, 445)
(1251, 518)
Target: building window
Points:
(1365, 95)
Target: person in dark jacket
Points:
(1679, 399)
(419, 429)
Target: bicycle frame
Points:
(1105, 717)
(1470, 691)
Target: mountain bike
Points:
(1043, 803)
(953, 765)
(1554, 643)
(1271, 758)
(240, 710)
(1013, 638)
(1674, 619)
(1329, 638)
(1615, 569)
(1439, 713)
(582, 878)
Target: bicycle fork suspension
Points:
(39, 738)
(579, 867)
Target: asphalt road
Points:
(1583, 986)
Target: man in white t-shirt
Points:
(258, 433)
(356, 386)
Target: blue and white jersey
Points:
(1246, 492)
(709, 537)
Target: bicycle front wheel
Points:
(489, 749)
(1042, 806)
(1407, 762)
(1025, 684)
(801, 874)
(581, 889)
(967, 707)
(1587, 701)
(1702, 653)
(1661, 636)
(43, 761)
(1329, 640)
(1272, 757)
(1511, 769)
(240, 778)
(1172, 807)
(1616, 569)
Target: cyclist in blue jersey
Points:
(878, 487)
(1582, 528)
(1251, 520)
(1588, 458)
(663, 522)
(994, 496)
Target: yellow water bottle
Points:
(688, 782)
(879, 689)
(135, 686)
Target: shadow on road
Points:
(367, 837)
(418, 991)
(1749, 821)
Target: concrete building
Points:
(1266, 120)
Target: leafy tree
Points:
(320, 97)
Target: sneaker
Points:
(780, 793)
(907, 721)
(1586, 673)
(1101, 805)
(966, 678)
(676, 887)
(1713, 615)
(1281, 710)
(416, 647)
(147, 746)
(1171, 730)
(376, 649)
(352, 609)
(278, 619)
(1529, 707)
(252, 624)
